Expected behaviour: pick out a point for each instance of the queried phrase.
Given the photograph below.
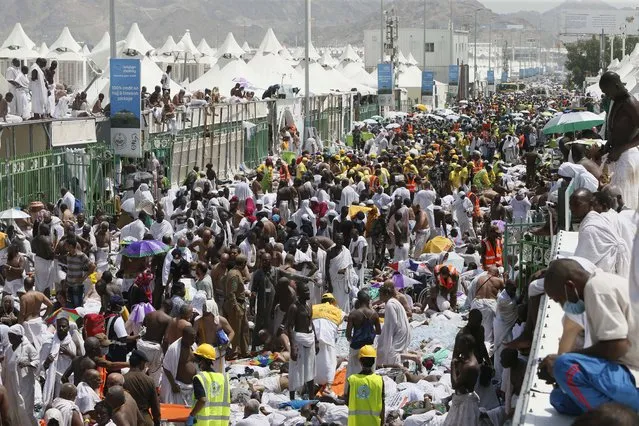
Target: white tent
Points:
(187, 50)
(327, 60)
(356, 72)
(321, 81)
(85, 50)
(43, 50)
(135, 41)
(401, 59)
(246, 48)
(300, 53)
(411, 59)
(18, 45)
(104, 42)
(222, 78)
(269, 43)
(274, 69)
(286, 54)
(65, 42)
(350, 55)
(204, 48)
(230, 48)
(409, 76)
(169, 48)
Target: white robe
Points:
(601, 244)
(39, 99)
(57, 368)
(349, 196)
(154, 353)
(357, 254)
(171, 364)
(317, 289)
(463, 209)
(342, 282)
(86, 398)
(326, 359)
(66, 408)
(395, 336)
(159, 230)
(488, 308)
(45, 273)
(302, 370)
(20, 382)
(502, 327)
(22, 107)
(624, 173)
(12, 74)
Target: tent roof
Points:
(65, 42)
(300, 53)
(286, 54)
(136, 41)
(204, 48)
(401, 59)
(230, 47)
(409, 76)
(169, 47)
(85, 50)
(350, 54)
(274, 69)
(411, 59)
(246, 48)
(321, 81)
(18, 38)
(327, 60)
(43, 50)
(223, 78)
(270, 44)
(105, 41)
(188, 47)
(356, 72)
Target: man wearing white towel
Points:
(304, 344)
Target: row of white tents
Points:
(198, 67)
(628, 70)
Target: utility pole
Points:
(612, 47)
(307, 98)
(381, 32)
(424, 43)
(112, 35)
(475, 60)
(490, 45)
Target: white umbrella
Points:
(452, 117)
(370, 121)
(392, 126)
(13, 214)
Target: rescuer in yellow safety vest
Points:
(211, 392)
(365, 395)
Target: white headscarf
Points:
(143, 197)
(582, 178)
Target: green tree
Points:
(583, 58)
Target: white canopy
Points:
(65, 42)
(409, 76)
(274, 69)
(286, 54)
(187, 48)
(169, 48)
(327, 60)
(401, 59)
(204, 48)
(245, 47)
(136, 41)
(411, 59)
(349, 55)
(270, 44)
(223, 78)
(230, 48)
(104, 42)
(65, 48)
(356, 72)
(18, 45)
(321, 80)
(43, 50)
(300, 53)
(85, 50)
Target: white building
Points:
(441, 48)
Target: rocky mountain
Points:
(335, 22)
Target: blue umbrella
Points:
(145, 248)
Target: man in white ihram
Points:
(38, 87)
(18, 376)
(341, 274)
(395, 336)
(463, 209)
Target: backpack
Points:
(94, 324)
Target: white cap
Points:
(314, 200)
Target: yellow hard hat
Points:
(205, 351)
(328, 296)
(367, 351)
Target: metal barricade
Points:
(524, 253)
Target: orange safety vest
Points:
(477, 166)
(284, 173)
(475, 200)
(493, 256)
(449, 282)
(373, 183)
(411, 185)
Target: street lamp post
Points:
(424, 43)
(381, 32)
(307, 98)
(112, 27)
(475, 80)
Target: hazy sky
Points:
(507, 6)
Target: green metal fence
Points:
(257, 143)
(525, 252)
(86, 172)
(367, 111)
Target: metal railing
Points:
(524, 253)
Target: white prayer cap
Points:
(522, 191)
(198, 302)
(305, 217)
(53, 414)
(211, 307)
(462, 193)
(584, 263)
(17, 329)
(314, 200)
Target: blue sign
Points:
(125, 79)
(504, 77)
(384, 79)
(453, 75)
(428, 81)
(491, 77)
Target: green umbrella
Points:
(377, 117)
(572, 122)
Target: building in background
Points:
(438, 52)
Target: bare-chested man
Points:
(218, 276)
(421, 229)
(103, 244)
(284, 298)
(179, 369)
(363, 325)
(30, 315)
(93, 359)
(487, 287)
(203, 245)
(4, 407)
(125, 410)
(208, 325)
(304, 344)
(510, 359)
(177, 325)
(150, 344)
(464, 367)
